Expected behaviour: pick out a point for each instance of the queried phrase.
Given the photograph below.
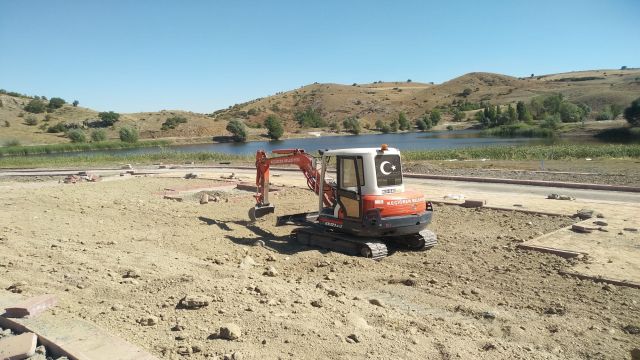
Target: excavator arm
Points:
(298, 157)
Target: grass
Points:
(70, 147)
(547, 152)
(107, 159)
(519, 130)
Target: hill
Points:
(334, 102)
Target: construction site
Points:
(171, 262)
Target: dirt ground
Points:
(600, 171)
(119, 255)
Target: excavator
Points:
(361, 211)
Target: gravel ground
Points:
(180, 278)
(613, 172)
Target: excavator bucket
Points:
(260, 211)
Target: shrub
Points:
(56, 103)
(352, 125)
(334, 126)
(238, 130)
(77, 136)
(108, 118)
(1, 103)
(252, 112)
(310, 118)
(76, 103)
(604, 115)
(35, 106)
(274, 127)
(632, 113)
(421, 125)
(458, 115)
(466, 92)
(128, 134)
(98, 135)
(12, 142)
(173, 122)
(379, 124)
(31, 120)
(449, 127)
(615, 110)
(385, 129)
(435, 117)
(7, 123)
(57, 128)
(395, 125)
(403, 123)
(570, 112)
(551, 122)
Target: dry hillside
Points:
(336, 102)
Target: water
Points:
(403, 141)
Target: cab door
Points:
(350, 182)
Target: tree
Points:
(310, 118)
(77, 136)
(458, 115)
(128, 134)
(513, 115)
(424, 123)
(615, 110)
(632, 113)
(379, 124)
(523, 112)
(98, 135)
(435, 117)
(395, 125)
(238, 130)
(56, 103)
(274, 127)
(108, 118)
(35, 106)
(334, 126)
(385, 129)
(551, 122)
(404, 124)
(352, 125)
(76, 103)
(569, 112)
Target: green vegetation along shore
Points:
(71, 147)
(547, 152)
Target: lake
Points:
(403, 141)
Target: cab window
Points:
(348, 172)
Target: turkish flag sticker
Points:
(388, 170)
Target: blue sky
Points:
(148, 55)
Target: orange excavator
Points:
(359, 212)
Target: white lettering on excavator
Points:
(404, 201)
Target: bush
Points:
(435, 117)
(31, 120)
(56, 103)
(77, 136)
(570, 112)
(615, 110)
(458, 115)
(12, 142)
(76, 103)
(98, 135)
(379, 124)
(551, 122)
(466, 92)
(632, 113)
(57, 128)
(128, 134)
(385, 128)
(449, 127)
(173, 122)
(310, 118)
(238, 130)
(403, 123)
(7, 123)
(108, 118)
(352, 125)
(334, 126)
(395, 125)
(604, 115)
(1, 104)
(274, 127)
(35, 106)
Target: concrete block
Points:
(31, 307)
(473, 203)
(18, 347)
